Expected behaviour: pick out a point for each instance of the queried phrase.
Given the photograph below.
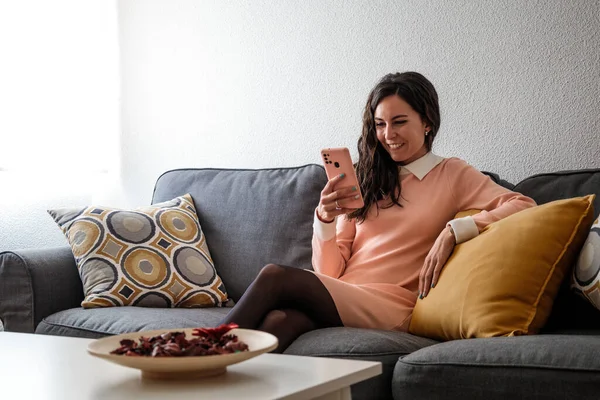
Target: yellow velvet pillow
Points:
(504, 281)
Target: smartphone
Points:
(338, 161)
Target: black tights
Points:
(285, 302)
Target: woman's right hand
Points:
(332, 201)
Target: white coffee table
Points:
(53, 367)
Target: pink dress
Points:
(372, 269)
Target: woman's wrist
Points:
(322, 219)
(451, 234)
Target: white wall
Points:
(24, 222)
(25, 198)
(59, 114)
(268, 83)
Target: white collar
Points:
(422, 166)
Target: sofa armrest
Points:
(35, 284)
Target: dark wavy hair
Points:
(377, 172)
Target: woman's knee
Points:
(270, 279)
(275, 318)
(271, 272)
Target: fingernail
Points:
(342, 175)
(357, 197)
(354, 188)
(433, 285)
(421, 295)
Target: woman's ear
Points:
(426, 126)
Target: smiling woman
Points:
(371, 264)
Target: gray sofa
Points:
(255, 217)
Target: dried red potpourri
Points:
(208, 341)
(214, 332)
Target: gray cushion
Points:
(361, 344)
(569, 310)
(532, 367)
(250, 217)
(99, 322)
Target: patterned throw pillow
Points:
(153, 256)
(586, 274)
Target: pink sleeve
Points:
(331, 248)
(474, 190)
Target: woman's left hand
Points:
(435, 260)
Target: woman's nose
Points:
(389, 132)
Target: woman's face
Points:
(400, 130)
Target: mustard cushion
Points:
(153, 256)
(504, 281)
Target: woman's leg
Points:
(278, 287)
(287, 325)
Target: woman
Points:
(372, 265)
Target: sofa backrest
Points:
(544, 188)
(570, 312)
(250, 217)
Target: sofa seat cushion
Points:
(538, 366)
(99, 322)
(361, 344)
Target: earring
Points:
(426, 133)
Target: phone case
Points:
(338, 161)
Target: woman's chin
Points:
(398, 157)
(405, 157)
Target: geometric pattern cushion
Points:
(154, 256)
(586, 274)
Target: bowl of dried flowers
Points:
(186, 353)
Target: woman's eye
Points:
(399, 122)
(379, 124)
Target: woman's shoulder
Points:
(454, 163)
(457, 169)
